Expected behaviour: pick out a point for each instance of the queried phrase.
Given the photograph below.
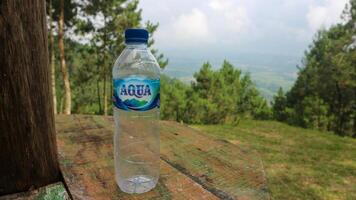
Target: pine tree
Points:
(279, 106)
(223, 96)
(108, 38)
(63, 14)
(328, 79)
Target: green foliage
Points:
(70, 11)
(314, 113)
(107, 38)
(261, 110)
(173, 98)
(84, 75)
(102, 24)
(117, 15)
(216, 97)
(323, 96)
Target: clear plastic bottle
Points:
(136, 93)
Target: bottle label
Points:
(136, 93)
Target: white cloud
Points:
(235, 16)
(220, 4)
(325, 15)
(189, 28)
(228, 26)
(192, 26)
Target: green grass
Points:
(299, 163)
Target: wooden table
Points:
(193, 165)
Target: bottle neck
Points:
(136, 45)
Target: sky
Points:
(222, 28)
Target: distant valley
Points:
(268, 72)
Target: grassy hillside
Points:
(299, 163)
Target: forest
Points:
(86, 37)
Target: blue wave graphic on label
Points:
(136, 93)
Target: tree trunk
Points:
(52, 59)
(28, 150)
(67, 91)
(61, 105)
(105, 95)
(98, 93)
(111, 90)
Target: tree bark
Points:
(67, 90)
(52, 59)
(61, 105)
(98, 93)
(111, 89)
(105, 95)
(28, 150)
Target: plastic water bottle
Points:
(136, 83)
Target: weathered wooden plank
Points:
(193, 165)
(86, 161)
(54, 191)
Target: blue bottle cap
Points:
(133, 35)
